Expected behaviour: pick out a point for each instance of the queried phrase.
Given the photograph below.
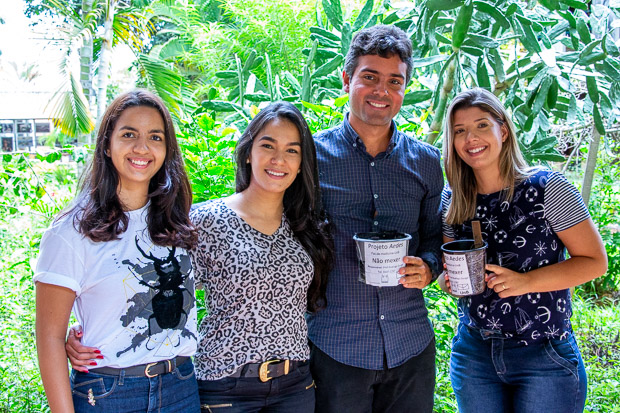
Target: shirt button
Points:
(376, 223)
(372, 164)
(382, 316)
(355, 145)
(376, 196)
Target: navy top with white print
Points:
(522, 236)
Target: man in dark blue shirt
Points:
(374, 348)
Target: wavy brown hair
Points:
(302, 200)
(512, 166)
(99, 213)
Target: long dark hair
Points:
(99, 212)
(302, 200)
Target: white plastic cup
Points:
(381, 256)
(465, 266)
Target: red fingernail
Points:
(100, 356)
(98, 351)
(92, 363)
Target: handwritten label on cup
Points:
(460, 281)
(383, 260)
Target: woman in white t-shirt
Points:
(262, 256)
(118, 257)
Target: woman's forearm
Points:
(588, 260)
(53, 310)
(55, 374)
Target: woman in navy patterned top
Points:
(515, 350)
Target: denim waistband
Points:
(484, 333)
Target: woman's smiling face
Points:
(137, 147)
(478, 139)
(275, 157)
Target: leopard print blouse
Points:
(255, 292)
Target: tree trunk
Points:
(440, 110)
(104, 60)
(86, 64)
(588, 175)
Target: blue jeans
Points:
(292, 393)
(176, 391)
(346, 389)
(493, 374)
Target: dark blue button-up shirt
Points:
(399, 189)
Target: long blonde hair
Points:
(512, 166)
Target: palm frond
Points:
(62, 8)
(160, 77)
(174, 48)
(132, 28)
(69, 109)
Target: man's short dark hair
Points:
(382, 40)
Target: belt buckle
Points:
(148, 367)
(146, 370)
(263, 370)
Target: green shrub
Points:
(207, 147)
(605, 209)
(597, 325)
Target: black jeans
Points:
(293, 393)
(408, 388)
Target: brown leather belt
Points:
(269, 369)
(144, 370)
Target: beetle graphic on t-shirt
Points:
(166, 303)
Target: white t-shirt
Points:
(135, 300)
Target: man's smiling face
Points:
(376, 90)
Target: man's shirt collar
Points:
(354, 139)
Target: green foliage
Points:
(33, 191)
(207, 147)
(540, 59)
(276, 28)
(548, 64)
(25, 183)
(57, 138)
(20, 385)
(158, 75)
(70, 107)
(442, 312)
(605, 209)
(596, 325)
(86, 29)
